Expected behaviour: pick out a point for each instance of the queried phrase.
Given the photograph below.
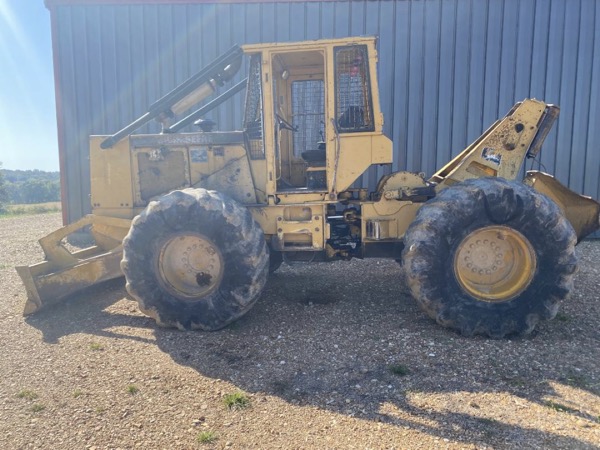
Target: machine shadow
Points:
(86, 312)
(294, 345)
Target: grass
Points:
(237, 400)
(399, 369)
(132, 389)
(27, 394)
(30, 209)
(576, 380)
(487, 421)
(581, 381)
(559, 407)
(77, 393)
(96, 346)
(561, 317)
(38, 407)
(518, 382)
(207, 437)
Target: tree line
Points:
(28, 186)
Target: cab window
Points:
(353, 102)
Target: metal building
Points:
(447, 70)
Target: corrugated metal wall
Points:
(448, 69)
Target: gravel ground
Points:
(313, 357)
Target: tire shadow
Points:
(324, 336)
(347, 338)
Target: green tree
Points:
(35, 191)
(3, 193)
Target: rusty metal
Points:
(65, 272)
(583, 212)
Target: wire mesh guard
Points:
(253, 111)
(308, 114)
(354, 110)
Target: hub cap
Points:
(495, 264)
(190, 265)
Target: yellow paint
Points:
(495, 263)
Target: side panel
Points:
(299, 227)
(111, 179)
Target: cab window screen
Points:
(254, 110)
(308, 112)
(353, 103)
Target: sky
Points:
(27, 105)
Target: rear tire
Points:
(490, 257)
(195, 259)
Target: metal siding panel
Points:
(508, 60)
(414, 130)
(524, 57)
(313, 20)
(591, 184)
(477, 62)
(386, 52)
(81, 121)
(372, 20)
(282, 25)
(447, 70)
(179, 26)
(431, 82)
(567, 92)
(461, 78)
(225, 115)
(443, 146)
(357, 18)
(268, 22)
(327, 20)
(341, 22)
(386, 64)
(583, 86)
(252, 15)
(401, 64)
(96, 95)
(68, 93)
(123, 67)
(539, 59)
(553, 79)
(297, 21)
(508, 57)
(493, 62)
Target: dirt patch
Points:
(332, 356)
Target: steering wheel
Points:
(284, 124)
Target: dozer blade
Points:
(64, 272)
(583, 212)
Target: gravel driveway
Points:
(332, 356)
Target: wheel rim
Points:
(495, 264)
(190, 265)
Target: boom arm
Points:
(502, 148)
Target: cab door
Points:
(299, 126)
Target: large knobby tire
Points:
(489, 256)
(195, 259)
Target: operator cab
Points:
(300, 106)
(308, 113)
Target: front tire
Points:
(489, 256)
(195, 259)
